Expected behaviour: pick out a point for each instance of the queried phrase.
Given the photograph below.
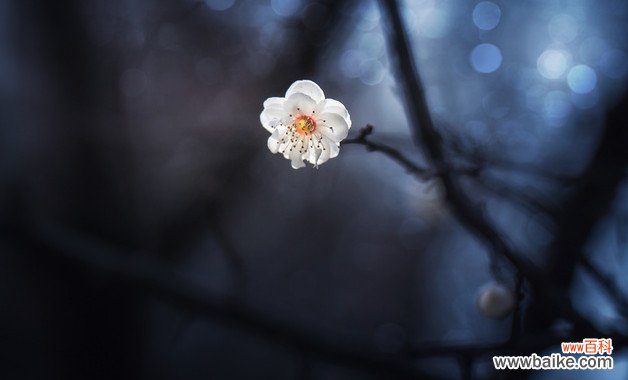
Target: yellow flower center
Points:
(305, 124)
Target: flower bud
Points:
(495, 301)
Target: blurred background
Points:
(132, 128)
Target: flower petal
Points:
(273, 142)
(314, 154)
(333, 126)
(297, 159)
(324, 149)
(308, 88)
(334, 106)
(299, 104)
(270, 117)
(274, 102)
(279, 139)
(334, 149)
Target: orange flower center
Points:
(305, 124)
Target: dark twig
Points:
(159, 280)
(420, 172)
(411, 167)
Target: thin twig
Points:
(411, 167)
(420, 172)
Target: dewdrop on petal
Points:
(304, 125)
(495, 301)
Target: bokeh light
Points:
(371, 71)
(552, 63)
(366, 16)
(581, 79)
(285, 8)
(486, 58)
(219, 5)
(350, 62)
(486, 15)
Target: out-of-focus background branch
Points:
(147, 232)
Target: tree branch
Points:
(425, 174)
(581, 212)
(411, 167)
(613, 290)
(419, 172)
(426, 135)
(158, 279)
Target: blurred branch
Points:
(581, 212)
(515, 328)
(426, 135)
(535, 342)
(523, 345)
(177, 15)
(590, 201)
(613, 290)
(158, 279)
(529, 169)
(495, 163)
(522, 198)
(234, 259)
(424, 174)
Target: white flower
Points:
(304, 125)
(496, 301)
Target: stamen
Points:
(304, 125)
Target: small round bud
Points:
(495, 301)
